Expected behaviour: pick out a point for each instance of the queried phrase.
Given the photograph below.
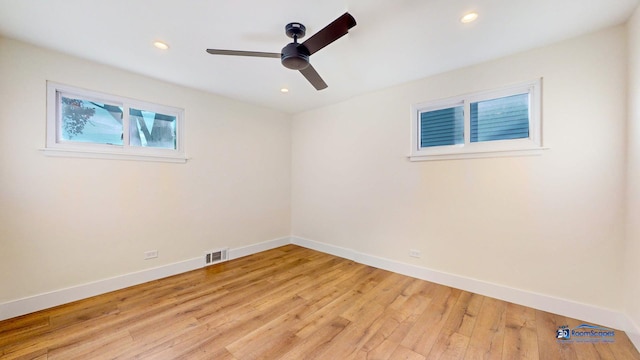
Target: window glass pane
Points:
(442, 127)
(151, 129)
(89, 121)
(500, 119)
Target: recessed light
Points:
(467, 18)
(160, 45)
(284, 90)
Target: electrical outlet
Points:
(150, 254)
(415, 253)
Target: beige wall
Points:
(551, 224)
(632, 270)
(68, 221)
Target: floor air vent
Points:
(216, 256)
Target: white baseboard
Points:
(259, 247)
(63, 296)
(586, 312)
(58, 297)
(633, 332)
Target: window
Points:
(504, 122)
(84, 123)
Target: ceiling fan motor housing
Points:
(295, 56)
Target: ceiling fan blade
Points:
(330, 33)
(244, 53)
(314, 78)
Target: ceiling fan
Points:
(295, 56)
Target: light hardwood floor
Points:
(295, 303)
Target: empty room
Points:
(320, 180)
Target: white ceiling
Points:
(394, 41)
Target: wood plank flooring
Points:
(295, 303)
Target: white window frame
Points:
(514, 147)
(55, 147)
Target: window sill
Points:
(113, 155)
(478, 154)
